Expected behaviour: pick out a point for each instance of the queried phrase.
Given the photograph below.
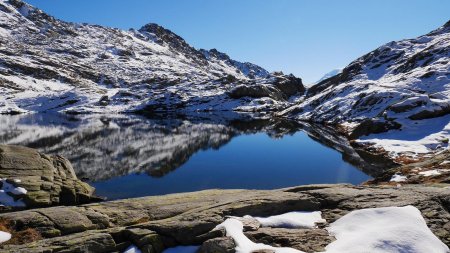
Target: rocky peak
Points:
(162, 36)
(29, 12)
(214, 53)
(246, 68)
(35, 21)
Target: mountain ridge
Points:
(51, 65)
(402, 86)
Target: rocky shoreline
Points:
(57, 217)
(58, 220)
(156, 223)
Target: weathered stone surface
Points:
(49, 180)
(154, 223)
(89, 241)
(307, 240)
(218, 245)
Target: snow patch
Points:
(373, 230)
(430, 173)
(4, 236)
(235, 228)
(292, 220)
(132, 249)
(398, 178)
(9, 193)
(384, 230)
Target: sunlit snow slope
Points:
(403, 85)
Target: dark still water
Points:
(126, 156)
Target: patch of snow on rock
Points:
(398, 178)
(292, 220)
(235, 228)
(4, 236)
(372, 230)
(384, 230)
(430, 173)
(9, 194)
(132, 249)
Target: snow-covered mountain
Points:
(402, 85)
(329, 75)
(51, 65)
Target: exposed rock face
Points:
(289, 85)
(188, 218)
(49, 180)
(51, 65)
(281, 88)
(370, 126)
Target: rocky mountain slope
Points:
(402, 85)
(51, 65)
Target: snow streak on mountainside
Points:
(400, 85)
(50, 65)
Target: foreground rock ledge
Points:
(49, 180)
(155, 223)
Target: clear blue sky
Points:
(304, 37)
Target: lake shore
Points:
(156, 223)
(159, 222)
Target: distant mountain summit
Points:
(50, 65)
(329, 74)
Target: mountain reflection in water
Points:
(130, 156)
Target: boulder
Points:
(218, 245)
(48, 180)
(373, 126)
(253, 91)
(289, 85)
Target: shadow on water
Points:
(189, 153)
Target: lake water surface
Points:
(130, 156)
